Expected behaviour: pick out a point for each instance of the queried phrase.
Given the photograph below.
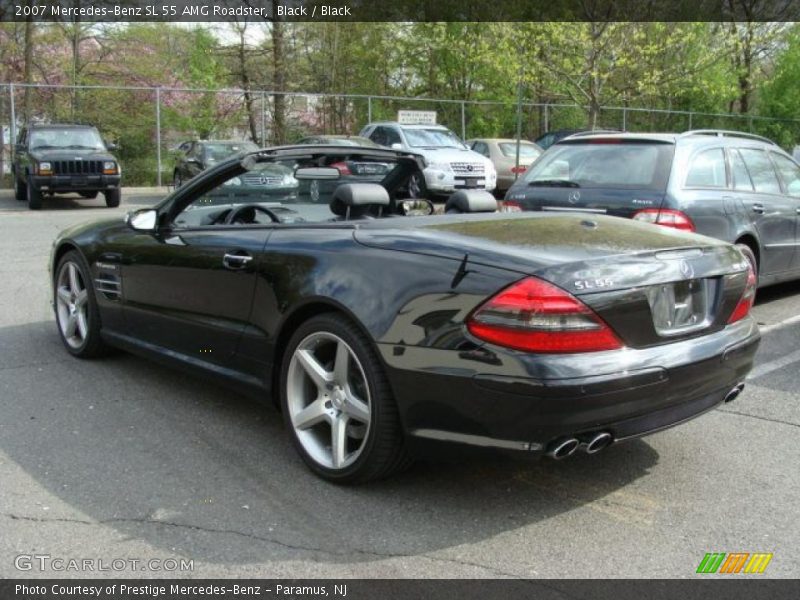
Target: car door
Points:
(771, 212)
(789, 173)
(188, 287)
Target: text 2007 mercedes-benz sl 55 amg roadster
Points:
(384, 331)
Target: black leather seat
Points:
(471, 201)
(359, 200)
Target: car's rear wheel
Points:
(416, 186)
(314, 191)
(337, 403)
(20, 190)
(76, 308)
(34, 197)
(112, 198)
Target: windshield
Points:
(432, 138)
(219, 152)
(66, 138)
(526, 149)
(281, 197)
(603, 165)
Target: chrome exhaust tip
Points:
(563, 448)
(734, 393)
(598, 442)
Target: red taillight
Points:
(509, 206)
(518, 170)
(748, 297)
(342, 167)
(667, 217)
(536, 316)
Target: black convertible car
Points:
(383, 331)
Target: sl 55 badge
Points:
(591, 284)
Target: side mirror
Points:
(416, 208)
(144, 219)
(111, 146)
(396, 146)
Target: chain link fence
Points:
(147, 124)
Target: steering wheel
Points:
(246, 213)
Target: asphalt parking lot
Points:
(124, 459)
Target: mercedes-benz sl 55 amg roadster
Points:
(383, 330)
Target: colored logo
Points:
(734, 562)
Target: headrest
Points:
(355, 195)
(471, 201)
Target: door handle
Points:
(237, 261)
(758, 208)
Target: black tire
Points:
(417, 188)
(384, 451)
(20, 189)
(93, 345)
(34, 197)
(88, 195)
(177, 180)
(112, 197)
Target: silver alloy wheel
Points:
(72, 305)
(313, 190)
(328, 399)
(415, 187)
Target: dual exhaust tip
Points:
(591, 444)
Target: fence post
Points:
(158, 135)
(263, 119)
(13, 130)
(690, 120)
(463, 120)
(624, 119)
(369, 109)
(546, 119)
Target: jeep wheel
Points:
(20, 190)
(34, 197)
(112, 198)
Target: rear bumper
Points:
(491, 399)
(74, 183)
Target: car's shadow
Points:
(198, 471)
(777, 292)
(60, 202)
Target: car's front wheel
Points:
(112, 198)
(177, 180)
(76, 308)
(34, 197)
(337, 403)
(20, 190)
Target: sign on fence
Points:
(416, 117)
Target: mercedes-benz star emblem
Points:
(574, 197)
(687, 269)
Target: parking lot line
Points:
(779, 324)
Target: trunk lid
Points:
(651, 284)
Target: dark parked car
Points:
(382, 336)
(60, 159)
(734, 186)
(198, 155)
(319, 190)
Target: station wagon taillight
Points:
(748, 297)
(536, 316)
(509, 206)
(665, 216)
